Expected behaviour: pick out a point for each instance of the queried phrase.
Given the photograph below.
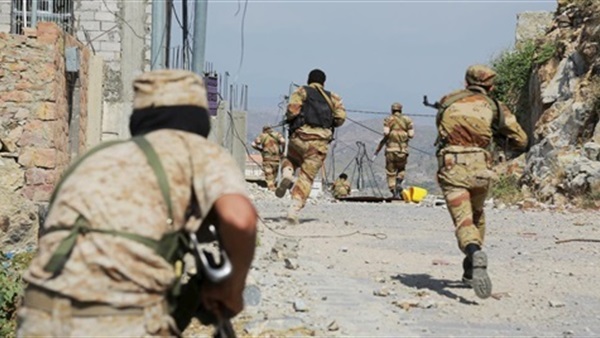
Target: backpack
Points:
(317, 110)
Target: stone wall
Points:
(34, 100)
(119, 32)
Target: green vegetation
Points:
(514, 69)
(11, 289)
(507, 189)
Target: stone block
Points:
(38, 157)
(85, 16)
(36, 176)
(48, 32)
(37, 134)
(46, 111)
(17, 96)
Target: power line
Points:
(370, 112)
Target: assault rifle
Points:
(426, 103)
(379, 146)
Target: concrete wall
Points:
(119, 32)
(4, 16)
(230, 132)
(34, 101)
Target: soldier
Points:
(101, 269)
(397, 131)
(341, 187)
(312, 113)
(467, 121)
(270, 144)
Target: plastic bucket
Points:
(414, 194)
(417, 194)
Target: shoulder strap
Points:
(327, 98)
(159, 172)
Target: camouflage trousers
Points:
(309, 157)
(465, 181)
(395, 167)
(270, 168)
(62, 320)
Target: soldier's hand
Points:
(224, 300)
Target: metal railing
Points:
(27, 13)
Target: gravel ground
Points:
(394, 269)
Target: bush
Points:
(514, 69)
(507, 189)
(11, 289)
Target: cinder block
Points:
(110, 46)
(105, 16)
(90, 25)
(90, 5)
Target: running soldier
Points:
(467, 121)
(312, 113)
(270, 143)
(397, 131)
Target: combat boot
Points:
(287, 180)
(467, 277)
(481, 282)
(398, 188)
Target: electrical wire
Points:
(370, 112)
(381, 134)
(242, 41)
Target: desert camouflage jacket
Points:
(270, 144)
(116, 189)
(399, 130)
(473, 119)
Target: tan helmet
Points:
(396, 106)
(266, 128)
(480, 75)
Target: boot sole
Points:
(284, 186)
(481, 282)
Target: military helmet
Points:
(480, 75)
(396, 106)
(266, 128)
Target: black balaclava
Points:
(192, 119)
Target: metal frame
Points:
(27, 13)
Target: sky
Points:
(373, 52)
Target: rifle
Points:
(426, 103)
(216, 271)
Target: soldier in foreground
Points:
(397, 131)
(270, 143)
(341, 187)
(312, 114)
(105, 262)
(467, 121)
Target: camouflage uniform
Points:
(111, 285)
(398, 130)
(341, 188)
(467, 122)
(269, 143)
(307, 148)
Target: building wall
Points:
(34, 101)
(119, 32)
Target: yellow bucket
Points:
(414, 194)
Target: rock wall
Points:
(563, 162)
(37, 132)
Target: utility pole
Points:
(199, 43)
(159, 34)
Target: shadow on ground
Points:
(283, 219)
(440, 286)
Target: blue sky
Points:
(374, 52)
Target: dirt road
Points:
(394, 269)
